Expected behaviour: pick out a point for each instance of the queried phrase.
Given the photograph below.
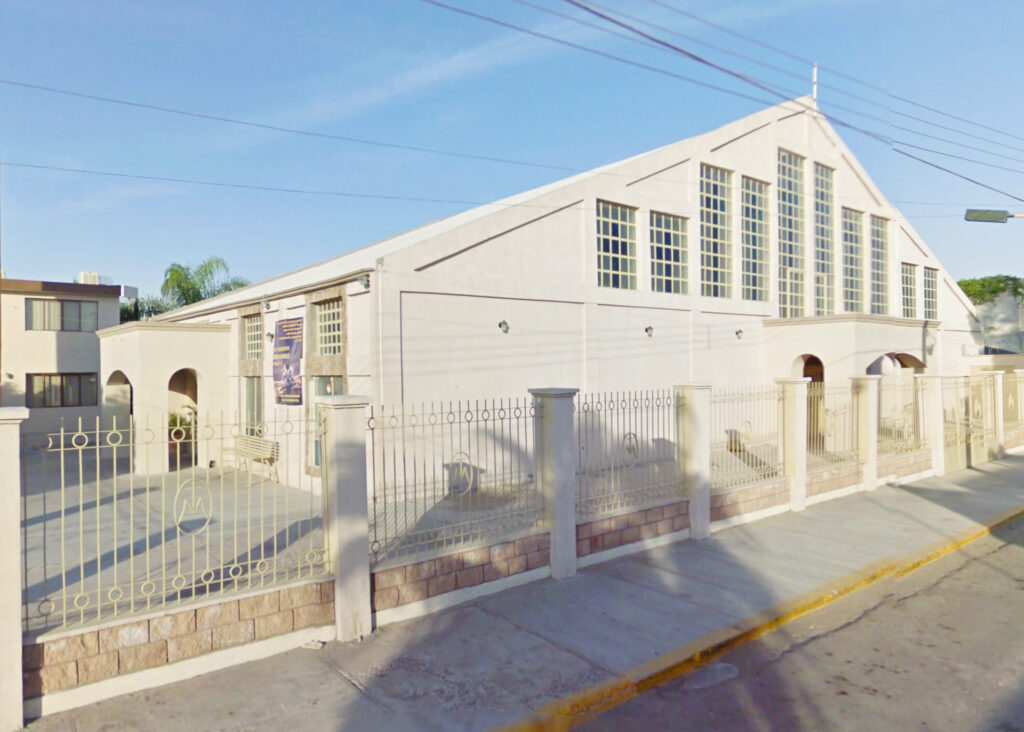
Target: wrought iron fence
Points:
(627, 452)
(968, 409)
(451, 475)
(746, 435)
(831, 425)
(900, 417)
(120, 518)
(1013, 414)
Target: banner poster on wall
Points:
(287, 361)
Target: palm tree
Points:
(185, 284)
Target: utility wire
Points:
(834, 70)
(958, 175)
(277, 128)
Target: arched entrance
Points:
(815, 370)
(182, 410)
(118, 396)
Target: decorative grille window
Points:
(879, 265)
(715, 231)
(791, 235)
(853, 261)
(824, 260)
(253, 337)
(329, 333)
(616, 246)
(909, 278)
(668, 253)
(931, 293)
(754, 223)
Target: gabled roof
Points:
(352, 264)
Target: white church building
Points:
(759, 250)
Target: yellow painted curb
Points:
(567, 712)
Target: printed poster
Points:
(287, 361)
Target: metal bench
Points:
(253, 449)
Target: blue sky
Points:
(406, 72)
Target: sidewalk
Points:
(496, 660)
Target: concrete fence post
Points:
(693, 453)
(999, 415)
(1018, 395)
(346, 521)
(794, 438)
(933, 420)
(865, 405)
(556, 458)
(11, 714)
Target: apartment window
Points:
(253, 325)
(253, 386)
(616, 246)
(754, 223)
(61, 390)
(931, 293)
(74, 315)
(824, 265)
(328, 332)
(879, 265)
(853, 261)
(715, 232)
(791, 235)
(908, 275)
(668, 253)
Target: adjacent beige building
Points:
(49, 351)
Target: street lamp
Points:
(989, 215)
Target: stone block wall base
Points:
(91, 656)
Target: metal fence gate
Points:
(969, 420)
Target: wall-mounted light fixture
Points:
(364, 280)
(270, 336)
(264, 304)
(649, 330)
(503, 326)
(739, 334)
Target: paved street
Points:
(940, 649)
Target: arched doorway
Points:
(815, 370)
(182, 411)
(118, 396)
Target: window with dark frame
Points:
(61, 390)
(65, 315)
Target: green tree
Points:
(147, 307)
(185, 284)
(984, 290)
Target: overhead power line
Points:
(278, 128)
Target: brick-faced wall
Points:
(627, 528)
(418, 581)
(826, 480)
(747, 500)
(76, 660)
(910, 463)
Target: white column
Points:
(932, 420)
(1018, 395)
(556, 458)
(346, 521)
(794, 438)
(865, 404)
(1000, 426)
(693, 453)
(10, 566)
